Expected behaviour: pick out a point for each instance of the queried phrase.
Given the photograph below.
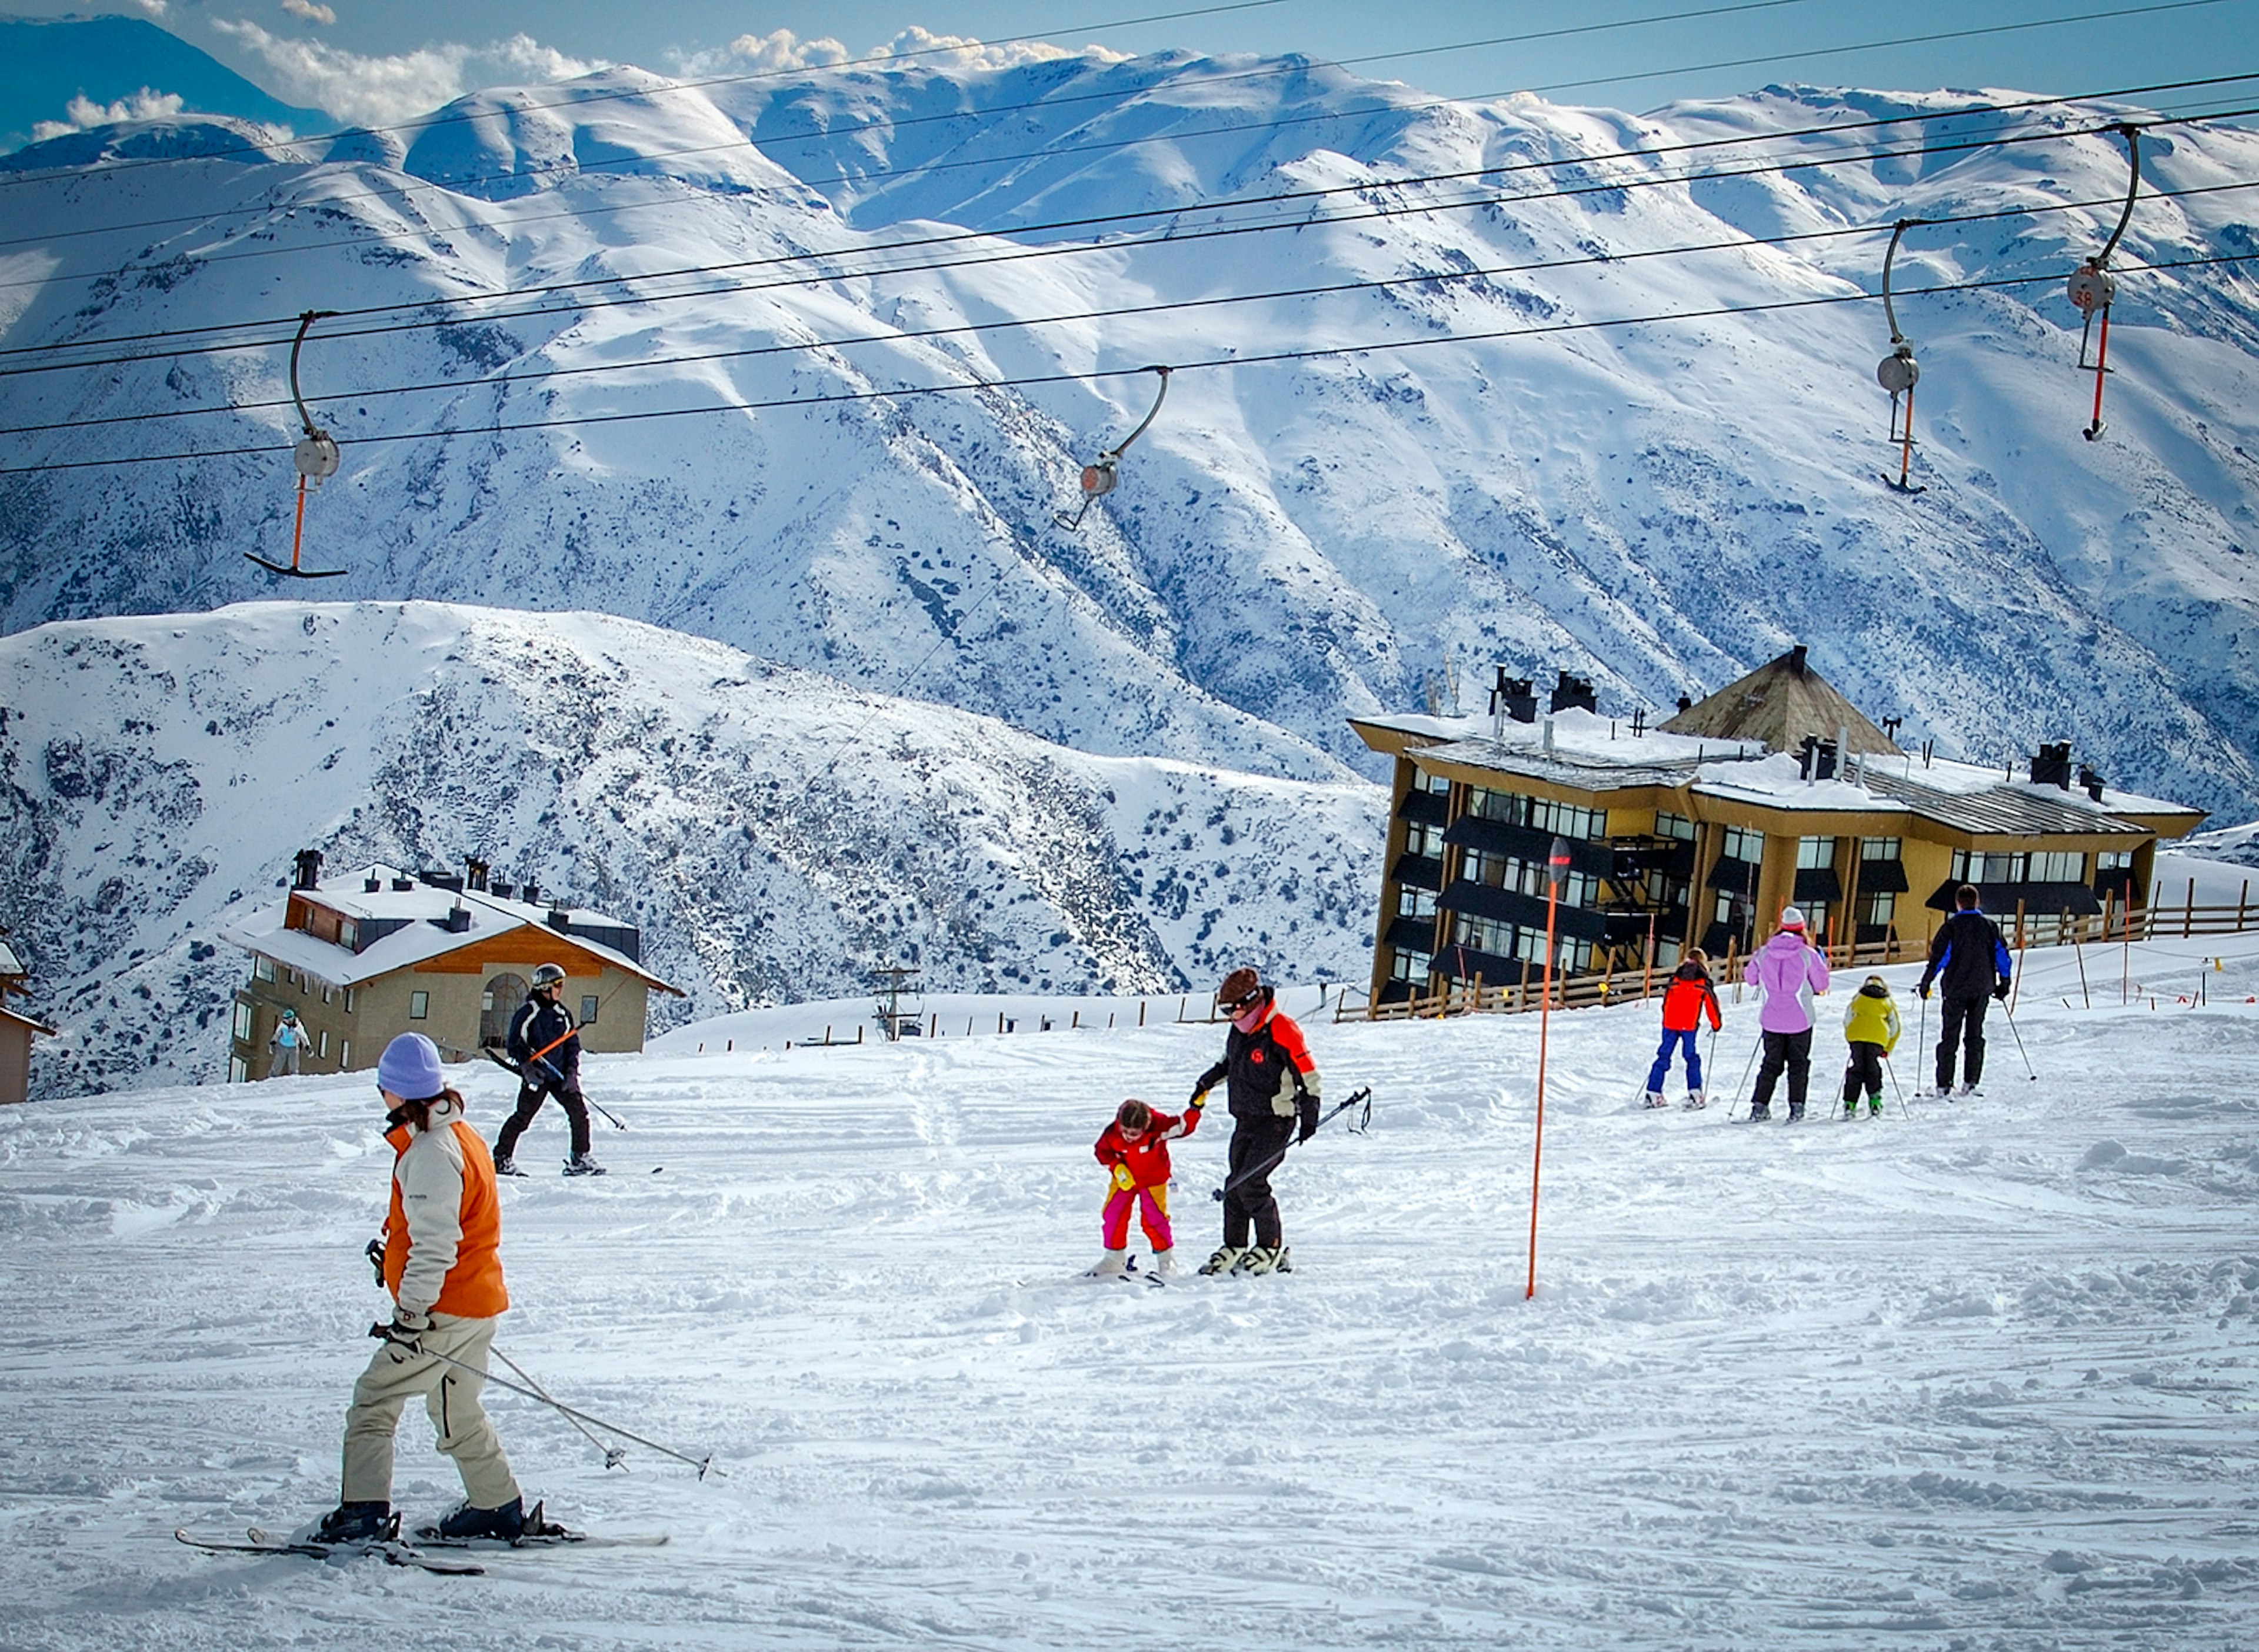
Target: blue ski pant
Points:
(1672, 1040)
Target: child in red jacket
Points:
(1685, 1001)
(1136, 1149)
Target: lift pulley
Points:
(2092, 287)
(316, 458)
(1099, 478)
(1898, 372)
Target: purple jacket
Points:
(1788, 970)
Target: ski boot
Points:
(1267, 1259)
(1655, 1098)
(1796, 1113)
(1225, 1259)
(1759, 1111)
(582, 1164)
(1165, 1265)
(507, 1166)
(373, 1522)
(1113, 1266)
(1966, 1090)
(1874, 1106)
(1697, 1099)
(506, 1524)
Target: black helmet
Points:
(548, 975)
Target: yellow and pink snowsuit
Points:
(1141, 1178)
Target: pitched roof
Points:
(1779, 703)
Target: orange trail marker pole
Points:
(1556, 869)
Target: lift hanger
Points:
(1098, 479)
(316, 457)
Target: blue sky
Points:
(364, 59)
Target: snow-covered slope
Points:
(1664, 505)
(773, 834)
(1976, 1376)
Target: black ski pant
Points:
(1864, 1073)
(1794, 1051)
(1249, 1202)
(1963, 1023)
(530, 1095)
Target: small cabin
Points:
(449, 955)
(16, 1031)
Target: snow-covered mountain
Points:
(1663, 505)
(773, 833)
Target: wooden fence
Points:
(2117, 922)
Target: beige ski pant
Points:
(451, 1394)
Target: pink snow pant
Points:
(1152, 1212)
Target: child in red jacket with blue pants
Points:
(1689, 997)
(1136, 1149)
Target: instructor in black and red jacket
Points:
(1272, 1082)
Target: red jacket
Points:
(1686, 1000)
(1148, 1156)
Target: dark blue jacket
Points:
(1968, 958)
(535, 1026)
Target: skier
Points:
(288, 1039)
(1690, 996)
(1271, 1080)
(1870, 1026)
(1788, 970)
(547, 1049)
(1969, 961)
(1135, 1148)
(442, 1262)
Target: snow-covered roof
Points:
(10, 964)
(421, 909)
(39, 1027)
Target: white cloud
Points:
(378, 91)
(306, 9)
(82, 113)
(153, 8)
(782, 51)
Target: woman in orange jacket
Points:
(1690, 997)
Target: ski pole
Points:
(614, 1457)
(1890, 1067)
(382, 1333)
(1254, 1171)
(2028, 1071)
(1735, 1099)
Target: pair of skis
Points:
(396, 1551)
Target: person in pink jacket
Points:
(1788, 971)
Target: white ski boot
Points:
(582, 1164)
(1655, 1098)
(1112, 1266)
(1697, 1099)
(1225, 1259)
(1262, 1259)
(1165, 1263)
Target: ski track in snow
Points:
(1978, 1377)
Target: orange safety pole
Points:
(1556, 868)
(2101, 366)
(298, 532)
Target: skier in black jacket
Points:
(1271, 1081)
(1969, 962)
(547, 1048)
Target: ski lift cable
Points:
(1115, 313)
(1383, 346)
(1015, 253)
(986, 112)
(431, 123)
(1403, 182)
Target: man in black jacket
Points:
(1272, 1083)
(1969, 961)
(547, 1048)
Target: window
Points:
(1877, 908)
(1423, 781)
(1424, 840)
(1524, 876)
(1539, 814)
(1741, 843)
(2059, 866)
(2114, 860)
(349, 935)
(345, 1054)
(242, 1021)
(1812, 853)
(321, 1045)
(349, 1001)
(420, 1005)
(587, 1008)
(1878, 849)
(1499, 806)
(1482, 934)
(1409, 967)
(238, 1072)
(325, 993)
(1410, 904)
(1677, 826)
(262, 969)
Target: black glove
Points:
(376, 1255)
(1922, 991)
(2001, 992)
(1309, 1120)
(401, 1333)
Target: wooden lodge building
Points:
(450, 957)
(16, 1031)
(1773, 791)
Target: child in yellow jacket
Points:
(1871, 1022)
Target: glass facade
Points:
(2042, 866)
(1539, 814)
